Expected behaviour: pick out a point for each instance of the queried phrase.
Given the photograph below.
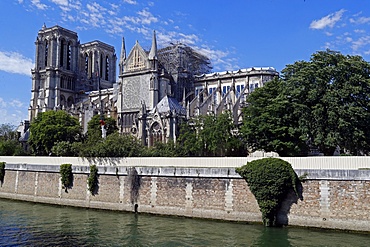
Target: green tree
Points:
(51, 127)
(210, 135)
(321, 103)
(269, 179)
(162, 150)
(94, 127)
(7, 132)
(187, 143)
(115, 145)
(9, 144)
(66, 148)
(271, 121)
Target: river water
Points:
(30, 224)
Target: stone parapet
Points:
(332, 198)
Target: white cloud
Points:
(60, 2)
(13, 112)
(349, 39)
(2, 103)
(327, 21)
(14, 62)
(39, 5)
(361, 42)
(360, 20)
(130, 2)
(359, 31)
(147, 17)
(16, 103)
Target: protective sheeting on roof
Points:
(272, 69)
(167, 105)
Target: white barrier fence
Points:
(320, 162)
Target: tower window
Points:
(46, 52)
(107, 68)
(69, 55)
(61, 60)
(86, 64)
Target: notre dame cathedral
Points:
(156, 89)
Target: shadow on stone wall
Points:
(70, 185)
(96, 187)
(290, 199)
(135, 182)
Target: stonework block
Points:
(171, 192)
(108, 191)
(209, 193)
(26, 183)
(310, 205)
(78, 190)
(47, 184)
(244, 200)
(9, 182)
(350, 199)
(144, 191)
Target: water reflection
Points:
(29, 224)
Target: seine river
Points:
(29, 224)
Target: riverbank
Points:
(331, 198)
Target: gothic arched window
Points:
(155, 133)
(107, 68)
(62, 100)
(86, 64)
(46, 52)
(61, 57)
(70, 101)
(69, 55)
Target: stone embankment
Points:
(335, 195)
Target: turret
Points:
(122, 59)
(153, 53)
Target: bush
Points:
(115, 145)
(92, 181)
(66, 175)
(269, 179)
(66, 148)
(11, 148)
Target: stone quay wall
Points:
(332, 196)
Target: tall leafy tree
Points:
(9, 144)
(51, 127)
(270, 121)
(210, 135)
(94, 127)
(325, 104)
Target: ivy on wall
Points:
(269, 179)
(2, 172)
(92, 180)
(66, 176)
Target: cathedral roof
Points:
(24, 137)
(169, 104)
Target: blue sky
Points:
(233, 34)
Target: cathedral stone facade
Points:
(156, 89)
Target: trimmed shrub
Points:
(92, 181)
(66, 175)
(269, 179)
